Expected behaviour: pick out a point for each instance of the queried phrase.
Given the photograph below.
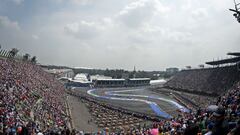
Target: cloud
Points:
(199, 14)
(82, 2)
(141, 12)
(36, 37)
(18, 2)
(74, 2)
(7, 23)
(83, 29)
(150, 34)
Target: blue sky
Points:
(150, 34)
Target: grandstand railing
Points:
(5, 54)
(212, 67)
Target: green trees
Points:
(26, 57)
(34, 60)
(13, 52)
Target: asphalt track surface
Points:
(139, 100)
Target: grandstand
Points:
(234, 60)
(132, 82)
(234, 53)
(33, 101)
(210, 81)
(30, 97)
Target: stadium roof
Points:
(224, 61)
(234, 53)
(139, 79)
(106, 79)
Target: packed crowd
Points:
(190, 100)
(222, 120)
(31, 100)
(194, 100)
(205, 81)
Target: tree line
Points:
(14, 54)
(121, 73)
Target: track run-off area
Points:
(132, 95)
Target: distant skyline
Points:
(148, 34)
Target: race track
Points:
(139, 99)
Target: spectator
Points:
(209, 129)
(154, 130)
(32, 102)
(235, 131)
(220, 124)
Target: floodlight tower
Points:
(236, 11)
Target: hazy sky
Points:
(150, 34)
